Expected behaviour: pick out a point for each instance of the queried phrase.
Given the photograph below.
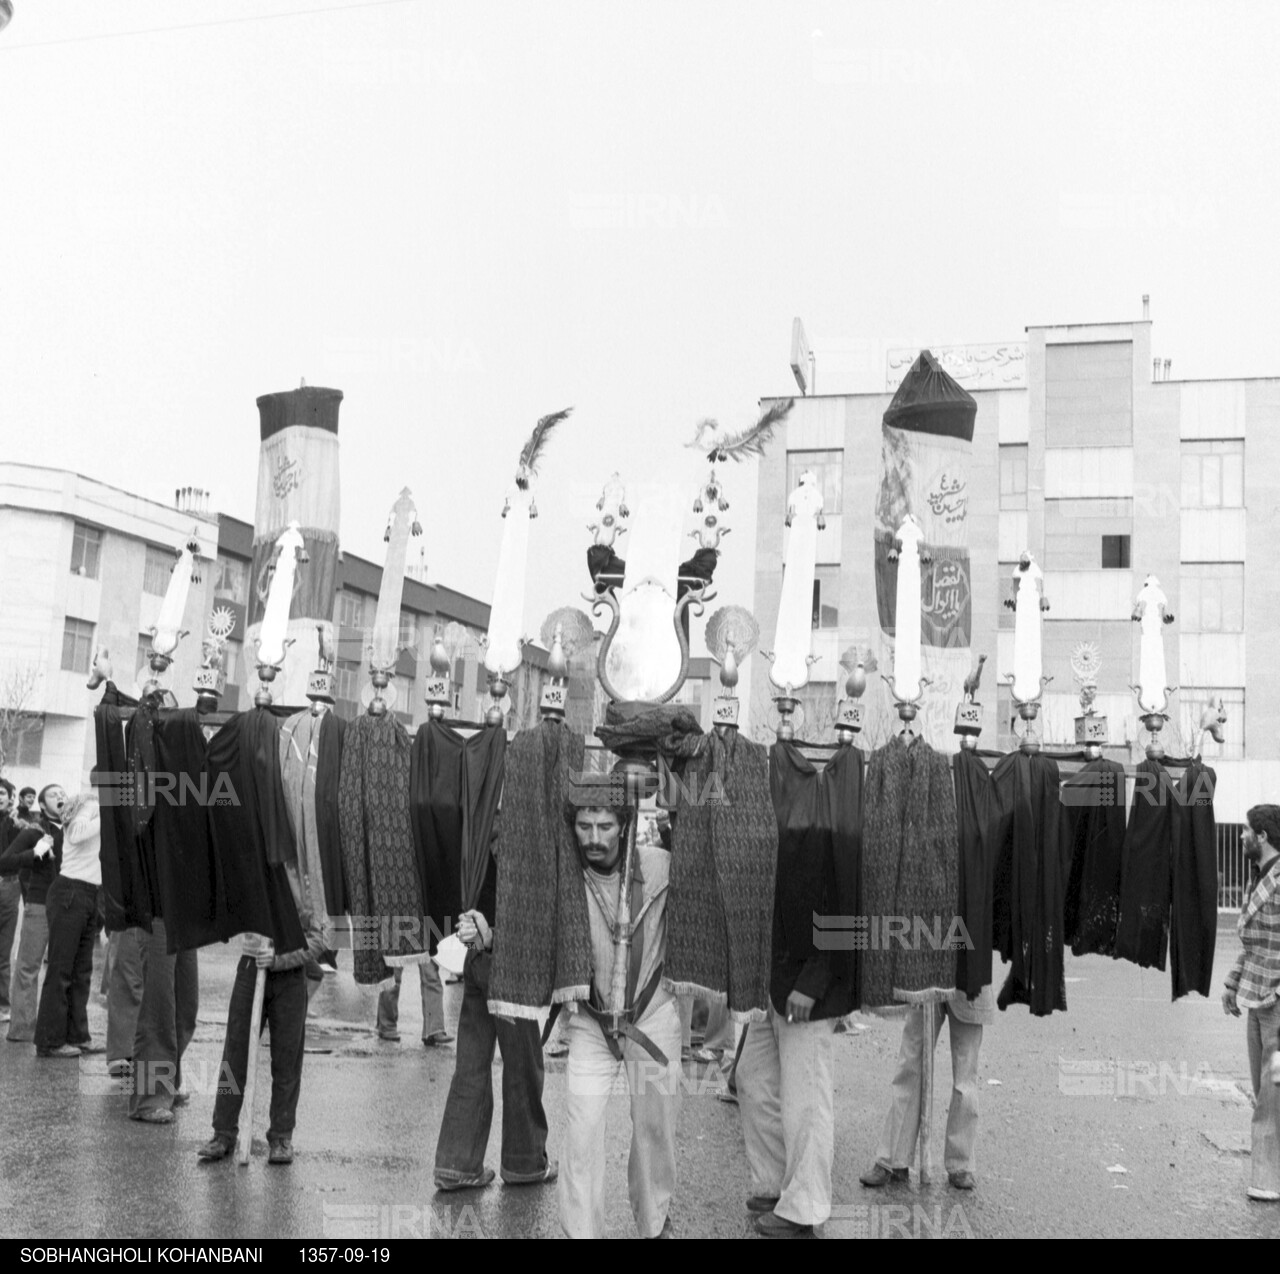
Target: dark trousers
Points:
(166, 1021)
(10, 909)
(284, 1010)
(468, 1112)
(125, 984)
(71, 909)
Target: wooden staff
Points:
(251, 1070)
(929, 1011)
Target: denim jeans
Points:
(10, 909)
(25, 987)
(124, 992)
(71, 909)
(902, 1124)
(1264, 1157)
(468, 1111)
(166, 1022)
(284, 1010)
(432, 1001)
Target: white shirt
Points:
(80, 843)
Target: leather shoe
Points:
(478, 1182)
(63, 1050)
(436, 1038)
(762, 1202)
(281, 1151)
(961, 1180)
(549, 1174)
(882, 1176)
(154, 1115)
(772, 1226)
(217, 1148)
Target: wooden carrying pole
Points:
(251, 1071)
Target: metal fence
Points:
(1233, 869)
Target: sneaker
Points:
(544, 1178)
(90, 1048)
(961, 1180)
(478, 1182)
(218, 1148)
(1264, 1196)
(281, 1151)
(882, 1176)
(437, 1038)
(63, 1050)
(389, 1037)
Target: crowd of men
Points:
(783, 1072)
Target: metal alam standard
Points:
(646, 590)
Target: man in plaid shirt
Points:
(1254, 984)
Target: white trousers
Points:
(786, 1079)
(902, 1124)
(592, 1076)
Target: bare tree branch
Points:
(18, 686)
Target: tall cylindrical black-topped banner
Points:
(297, 482)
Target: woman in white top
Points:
(71, 907)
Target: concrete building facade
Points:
(1107, 472)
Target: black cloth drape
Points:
(816, 905)
(1193, 927)
(1142, 929)
(125, 756)
(328, 830)
(454, 785)
(1094, 801)
(979, 815)
(1031, 867)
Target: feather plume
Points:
(749, 442)
(576, 632)
(532, 452)
(851, 657)
(732, 627)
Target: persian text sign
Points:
(974, 366)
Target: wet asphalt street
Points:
(1127, 1115)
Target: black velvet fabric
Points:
(819, 852)
(1146, 870)
(454, 785)
(328, 770)
(980, 819)
(1094, 804)
(1193, 921)
(1031, 867)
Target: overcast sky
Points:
(467, 215)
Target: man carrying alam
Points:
(648, 1053)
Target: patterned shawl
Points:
(542, 942)
(383, 881)
(723, 858)
(910, 875)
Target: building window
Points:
(1193, 701)
(1115, 552)
(232, 655)
(826, 597)
(231, 580)
(1211, 597)
(156, 571)
(408, 636)
(28, 743)
(827, 467)
(77, 645)
(346, 680)
(86, 549)
(1013, 477)
(1213, 474)
(351, 609)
